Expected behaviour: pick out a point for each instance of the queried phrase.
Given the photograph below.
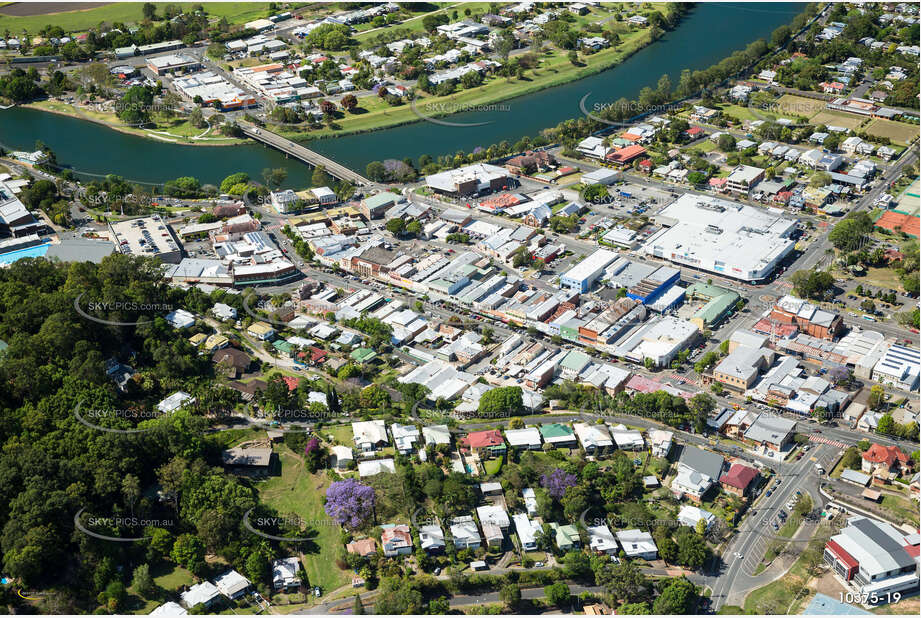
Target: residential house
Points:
(558, 434)
(204, 594)
(690, 515)
(527, 531)
(404, 437)
(595, 439)
(232, 585)
(566, 536)
(465, 533)
(432, 538)
(524, 439)
(370, 435)
(487, 443)
(660, 442)
(885, 462)
(362, 547)
(638, 544)
(284, 573)
(396, 540)
(739, 479)
(601, 541)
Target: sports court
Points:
(910, 200)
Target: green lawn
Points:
(492, 466)
(127, 12)
(414, 24)
(904, 510)
(342, 434)
(299, 492)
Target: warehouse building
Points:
(581, 276)
(723, 237)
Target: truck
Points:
(625, 194)
(819, 469)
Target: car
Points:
(799, 493)
(538, 564)
(316, 591)
(769, 492)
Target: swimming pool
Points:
(36, 251)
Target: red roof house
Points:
(625, 155)
(738, 479)
(884, 460)
(694, 132)
(291, 381)
(490, 439)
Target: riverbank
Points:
(555, 70)
(111, 121)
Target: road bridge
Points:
(293, 149)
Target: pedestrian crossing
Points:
(823, 440)
(682, 379)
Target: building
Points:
(659, 340)
(660, 442)
(691, 515)
(720, 303)
(396, 540)
(375, 467)
(436, 434)
(261, 331)
(600, 540)
(147, 237)
(465, 533)
(524, 439)
(739, 370)
(874, 557)
(369, 435)
(204, 594)
(723, 237)
(558, 434)
(898, 367)
(770, 431)
(743, 178)
(581, 276)
(15, 218)
(698, 470)
(284, 573)
(170, 608)
(739, 479)
(173, 64)
(431, 538)
(527, 531)
(374, 206)
(566, 536)
(807, 317)
(174, 402)
(232, 585)
(488, 442)
(404, 437)
(595, 439)
(638, 544)
(362, 547)
(469, 180)
(885, 462)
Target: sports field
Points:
(910, 200)
(898, 132)
(837, 119)
(15, 19)
(793, 105)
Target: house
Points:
(638, 544)
(175, 401)
(660, 442)
(493, 514)
(465, 533)
(488, 442)
(698, 470)
(396, 540)
(232, 585)
(341, 457)
(363, 547)
(595, 439)
(231, 362)
(770, 431)
(739, 479)
(530, 501)
(566, 537)
(375, 467)
(436, 434)
(601, 541)
(224, 312)
(625, 439)
(261, 331)
(885, 462)
(370, 435)
(432, 538)
(180, 318)
(524, 439)
(247, 458)
(284, 573)
(404, 437)
(558, 434)
(527, 531)
(691, 515)
(170, 608)
(204, 594)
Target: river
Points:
(709, 33)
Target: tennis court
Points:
(910, 200)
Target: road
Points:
(737, 576)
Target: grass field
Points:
(837, 119)
(903, 509)
(885, 278)
(910, 202)
(127, 12)
(299, 492)
(899, 132)
(414, 24)
(794, 105)
(778, 596)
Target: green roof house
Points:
(558, 434)
(567, 537)
(363, 355)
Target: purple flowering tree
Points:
(349, 502)
(557, 482)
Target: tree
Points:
(273, 177)
(678, 597)
(349, 102)
(189, 552)
(557, 482)
(812, 284)
(500, 402)
(820, 179)
(149, 11)
(558, 594)
(886, 425)
(877, 397)
(848, 234)
(349, 502)
(624, 581)
(510, 594)
(143, 582)
(727, 143)
(375, 171)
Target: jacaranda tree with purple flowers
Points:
(557, 482)
(349, 502)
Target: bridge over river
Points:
(293, 149)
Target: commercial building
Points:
(743, 178)
(724, 237)
(15, 218)
(581, 276)
(146, 237)
(469, 180)
(214, 91)
(874, 557)
(898, 367)
(770, 431)
(807, 317)
(173, 64)
(660, 339)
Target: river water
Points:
(709, 33)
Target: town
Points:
(662, 363)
